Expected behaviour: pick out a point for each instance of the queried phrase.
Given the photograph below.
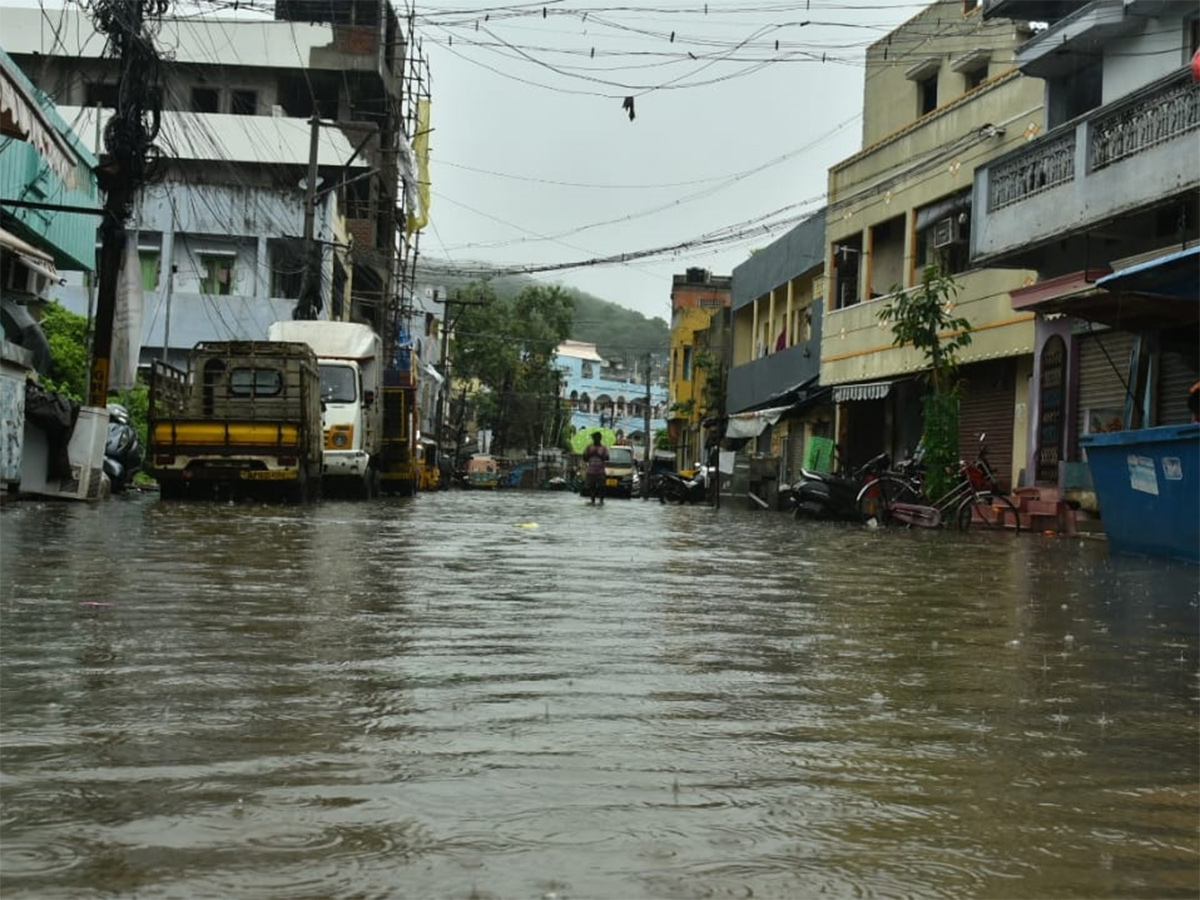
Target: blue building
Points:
(604, 396)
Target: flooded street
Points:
(514, 695)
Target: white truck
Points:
(350, 356)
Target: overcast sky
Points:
(535, 161)
(740, 107)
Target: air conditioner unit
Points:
(945, 232)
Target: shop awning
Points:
(10, 241)
(752, 424)
(44, 268)
(796, 394)
(867, 390)
(1175, 275)
(21, 116)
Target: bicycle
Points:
(985, 504)
(898, 496)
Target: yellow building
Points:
(696, 298)
(942, 97)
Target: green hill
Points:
(620, 334)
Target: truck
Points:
(350, 357)
(243, 421)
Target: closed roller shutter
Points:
(1176, 376)
(988, 407)
(1103, 368)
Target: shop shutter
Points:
(1176, 375)
(988, 407)
(1103, 368)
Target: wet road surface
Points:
(515, 695)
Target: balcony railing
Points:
(1142, 122)
(1049, 163)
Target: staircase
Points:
(1042, 509)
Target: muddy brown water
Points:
(516, 695)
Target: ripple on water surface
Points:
(515, 694)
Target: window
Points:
(947, 242)
(927, 95)
(205, 100)
(255, 383)
(846, 255)
(287, 268)
(973, 78)
(687, 364)
(216, 274)
(587, 371)
(243, 103)
(338, 384)
(150, 269)
(101, 95)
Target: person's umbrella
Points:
(583, 437)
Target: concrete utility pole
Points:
(443, 368)
(648, 441)
(310, 279)
(128, 137)
(444, 365)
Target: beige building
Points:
(941, 98)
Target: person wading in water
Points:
(595, 455)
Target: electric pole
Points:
(648, 441)
(310, 278)
(443, 368)
(444, 365)
(128, 139)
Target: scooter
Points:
(677, 489)
(820, 495)
(122, 449)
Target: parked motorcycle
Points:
(820, 495)
(122, 451)
(674, 488)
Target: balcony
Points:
(1076, 39)
(756, 381)
(1030, 10)
(1122, 158)
(856, 346)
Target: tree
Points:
(923, 317)
(508, 346)
(66, 333)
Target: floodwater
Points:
(516, 695)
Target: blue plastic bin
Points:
(1148, 486)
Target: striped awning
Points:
(21, 116)
(867, 390)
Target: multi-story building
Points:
(248, 106)
(773, 399)
(697, 362)
(1103, 203)
(42, 163)
(941, 97)
(601, 396)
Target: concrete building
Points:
(601, 396)
(48, 446)
(773, 395)
(1103, 203)
(941, 97)
(221, 230)
(696, 390)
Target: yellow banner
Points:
(419, 219)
